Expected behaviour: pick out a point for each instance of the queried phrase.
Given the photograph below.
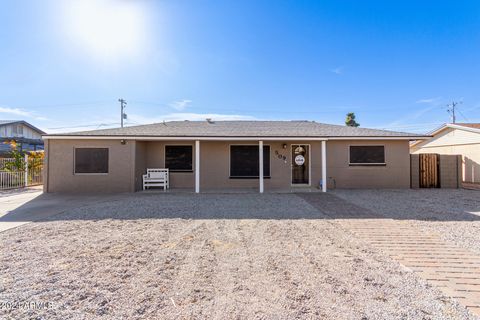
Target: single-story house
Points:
(27, 136)
(455, 139)
(219, 155)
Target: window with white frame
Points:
(245, 162)
(367, 155)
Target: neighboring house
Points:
(28, 137)
(219, 155)
(457, 139)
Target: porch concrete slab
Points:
(234, 190)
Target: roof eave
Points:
(445, 127)
(465, 128)
(25, 123)
(226, 138)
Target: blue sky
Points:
(396, 64)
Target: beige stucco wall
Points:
(395, 174)
(450, 171)
(215, 165)
(456, 142)
(128, 162)
(155, 158)
(60, 170)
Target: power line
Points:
(461, 113)
(413, 125)
(269, 110)
(319, 110)
(86, 125)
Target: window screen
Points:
(91, 160)
(367, 155)
(178, 158)
(244, 161)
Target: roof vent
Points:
(209, 120)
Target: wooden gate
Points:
(429, 170)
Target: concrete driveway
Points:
(21, 206)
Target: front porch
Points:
(235, 166)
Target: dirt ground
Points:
(210, 256)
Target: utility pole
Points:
(123, 115)
(451, 109)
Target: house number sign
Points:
(299, 160)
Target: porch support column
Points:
(324, 166)
(260, 162)
(197, 166)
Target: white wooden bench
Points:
(156, 178)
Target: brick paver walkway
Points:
(456, 271)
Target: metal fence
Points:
(19, 175)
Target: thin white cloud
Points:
(180, 104)
(434, 101)
(21, 113)
(421, 112)
(338, 70)
(410, 117)
(15, 111)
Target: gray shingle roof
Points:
(241, 129)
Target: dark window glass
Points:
(178, 158)
(244, 161)
(91, 160)
(367, 154)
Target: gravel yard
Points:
(454, 214)
(216, 256)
